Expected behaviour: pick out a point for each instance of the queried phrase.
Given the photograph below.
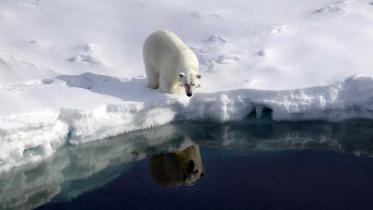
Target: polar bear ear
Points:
(181, 75)
(199, 76)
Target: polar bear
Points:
(170, 63)
(177, 168)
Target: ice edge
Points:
(28, 138)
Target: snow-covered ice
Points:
(71, 71)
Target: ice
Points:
(349, 99)
(25, 140)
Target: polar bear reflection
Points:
(182, 167)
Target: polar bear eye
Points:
(181, 75)
(199, 76)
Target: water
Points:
(261, 165)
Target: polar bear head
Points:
(189, 81)
(177, 168)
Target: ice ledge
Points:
(27, 138)
(352, 98)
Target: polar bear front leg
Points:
(152, 76)
(166, 86)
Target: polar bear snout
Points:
(188, 90)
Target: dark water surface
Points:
(261, 165)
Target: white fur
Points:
(170, 63)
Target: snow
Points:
(71, 72)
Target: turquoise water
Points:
(259, 165)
